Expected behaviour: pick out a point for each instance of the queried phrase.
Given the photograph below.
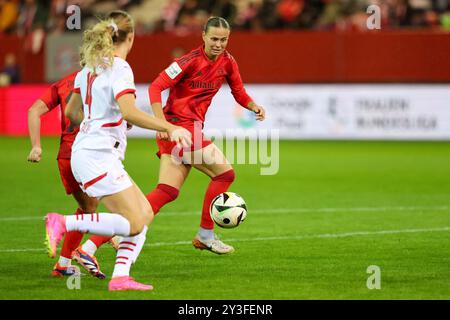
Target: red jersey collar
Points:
(202, 48)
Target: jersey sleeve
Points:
(50, 97)
(168, 78)
(123, 81)
(237, 87)
(77, 83)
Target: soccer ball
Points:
(228, 210)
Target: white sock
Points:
(206, 234)
(140, 243)
(64, 262)
(102, 224)
(89, 247)
(129, 249)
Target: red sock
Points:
(99, 240)
(218, 184)
(72, 240)
(162, 195)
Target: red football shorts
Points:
(67, 178)
(199, 142)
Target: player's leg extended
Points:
(73, 239)
(171, 177)
(85, 204)
(136, 206)
(124, 223)
(88, 205)
(85, 255)
(69, 250)
(215, 165)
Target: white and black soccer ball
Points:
(228, 210)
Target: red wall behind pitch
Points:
(317, 57)
(290, 56)
(15, 101)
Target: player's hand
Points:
(162, 135)
(181, 136)
(259, 112)
(35, 154)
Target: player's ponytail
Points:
(217, 22)
(97, 49)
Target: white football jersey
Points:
(103, 126)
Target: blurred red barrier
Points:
(315, 57)
(15, 102)
(408, 56)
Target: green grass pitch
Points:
(313, 229)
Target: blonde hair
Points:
(97, 49)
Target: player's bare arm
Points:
(158, 112)
(35, 112)
(141, 119)
(74, 109)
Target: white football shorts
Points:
(99, 172)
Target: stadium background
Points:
(339, 206)
(297, 42)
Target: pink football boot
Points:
(55, 226)
(127, 283)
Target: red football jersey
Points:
(193, 80)
(58, 95)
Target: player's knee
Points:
(227, 176)
(137, 223)
(147, 216)
(136, 227)
(171, 192)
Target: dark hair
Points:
(124, 23)
(217, 22)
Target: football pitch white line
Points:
(314, 236)
(278, 210)
(312, 210)
(299, 237)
